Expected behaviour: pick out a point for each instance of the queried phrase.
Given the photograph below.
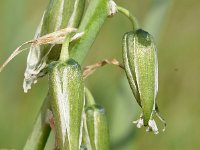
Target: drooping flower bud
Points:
(141, 66)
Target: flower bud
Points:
(67, 100)
(95, 131)
(141, 67)
(96, 128)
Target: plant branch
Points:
(88, 70)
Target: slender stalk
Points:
(64, 55)
(129, 16)
(89, 98)
(41, 130)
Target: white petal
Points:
(112, 8)
(152, 127)
(139, 123)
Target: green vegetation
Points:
(175, 29)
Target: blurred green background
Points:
(175, 26)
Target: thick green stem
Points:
(91, 24)
(130, 17)
(40, 133)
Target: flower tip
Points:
(151, 126)
(27, 85)
(162, 120)
(164, 127)
(112, 8)
(139, 123)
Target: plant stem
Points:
(89, 98)
(130, 17)
(41, 130)
(91, 24)
(64, 55)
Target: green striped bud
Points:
(67, 100)
(96, 128)
(141, 66)
(58, 15)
